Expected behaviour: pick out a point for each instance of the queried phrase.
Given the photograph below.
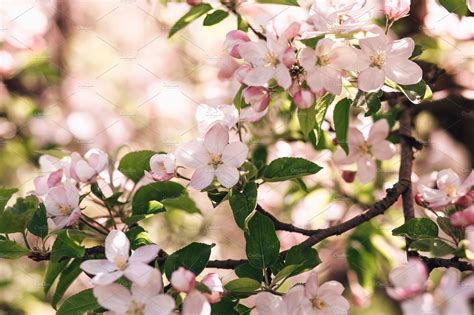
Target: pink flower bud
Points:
(227, 67)
(348, 176)
(396, 9)
(193, 2)
(257, 96)
(289, 57)
(420, 200)
(464, 201)
(163, 166)
(183, 280)
(232, 41)
(304, 98)
(242, 71)
(458, 219)
(214, 283)
(85, 169)
(7, 63)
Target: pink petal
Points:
(253, 52)
(95, 266)
(145, 254)
(324, 46)
(332, 80)
(192, 154)
(162, 304)
(384, 150)
(307, 59)
(315, 80)
(331, 288)
(105, 278)
(336, 304)
(196, 303)
(447, 178)
(403, 71)
(432, 195)
(235, 154)
(143, 293)
(343, 57)
(401, 49)
(114, 297)
(202, 177)
(467, 184)
(41, 185)
(183, 280)
(355, 137)
(117, 245)
(311, 287)
(366, 169)
(249, 114)
(378, 132)
(227, 175)
(258, 76)
(267, 303)
(139, 273)
(341, 158)
(83, 171)
(282, 76)
(371, 45)
(371, 79)
(216, 139)
(297, 302)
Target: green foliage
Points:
(243, 203)
(341, 122)
(313, 41)
(16, 218)
(66, 278)
(284, 2)
(288, 167)
(247, 271)
(305, 258)
(215, 17)
(437, 247)
(67, 244)
(193, 257)
(321, 108)
(307, 119)
(242, 285)
(193, 13)
(5, 195)
(370, 101)
(79, 304)
(138, 237)
(11, 250)
(52, 272)
(455, 6)
(39, 222)
(262, 244)
(417, 228)
(417, 93)
(134, 164)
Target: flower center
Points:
(451, 190)
(272, 59)
(318, 303)
(121, 263)
(136, 309)
(364, 148)
(214, 160)
(377, 60)
(323, 60)
(64, 210)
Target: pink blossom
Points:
(382, 57)
(257, 97)
(196, 303)
(183, 280)
(213, 158)
(304, 98)
(232, 41)
(53, 170)
(146, 299)
(364, 151)
(449, 189)
(463, 218)
(208, 116)
(62, 205)
(85, 169)
(214, 283)
(470, 5)
(323, 65)
(248, 114)
(396, 9)
(408, 280)
(163, 166)
(227, 67)
(119, 263)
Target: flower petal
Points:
(332, 80)
(253, 52)
(196, 303)
(105, 278)
(235, 154)
(311, 287)
(315, 80)
(258, 76)
(307, 59)
(447, 178)
(145, 254)
(402, 48)
(366, 169)
(202, 177)
(95, 266)
(143, 293)
(267, 303)
(192, 154)
(114, 297)
(227, 175)
(162, 304)
(383, 150)
(374, 44)
(371, 79)
(403, 71)
(378, 132)
(282, 76)
(117, 245)
(216, 139)
(139, 273)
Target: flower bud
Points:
(304, 98)
(395, 9)
(464, 201)
(420, 200)
(242, 71)
(232, 41)
(348, 176)
(257, 96)
(183, 280)
(163, 166)
(85, 169)
(214, 283)
(193, 2)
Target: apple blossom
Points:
(396, 9)
(248, 114)
(449, 189)
(257, 97)
(463, 218)
(145, 299)
(53, 169)
(363, 151)
(408, 280)
(232, 41)
(163, 167)
(86, 169)
(214, 283)
(196, 303)
(213, 158)
(183, 280)
(382, 57)
(62, 205)
(323, 65)
(304, 98)
(207, 116)
(119, 263)
(470, 5)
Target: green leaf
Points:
(417, 228)
(435, 246)
(247, 271)
(288, 167)
(370, 101)
(242, 285)
(341, 122)
(312, 42)
(66, 245)
(138, 237)
(458, 7)
(238, 97)
(226, 306)
(243, 203)
(306, 257)
(242, 24)
(321, 108)
(5, 195)
(193, 257)
(134, 164)
(52, 272)
(262, 244)
(194, 13)
(66, 278)
(182, 202)
(217, 196)
(418, 92)
(215, 17)
(445, 225)
(307, 119)
(79, 304)
(284, 2)
(15, 219)
(11, 250)
(39, 222)
(418, 50)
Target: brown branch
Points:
(433, 263)
(282, 226)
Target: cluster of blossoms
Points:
(59, 185)
(412, 287)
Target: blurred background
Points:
(103, 73)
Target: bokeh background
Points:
(103, 73)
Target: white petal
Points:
(227, 175)
(296, 301)
(343, 57)
(383, 150)
(307, 58)
(196, 303)
(192, 154)
(378, 132)
(142, 293)
(235, 154)
(315, 80)
(139, 273)
(114, 297)
(106, 277)
(332, 80)
(95, 266)
(447, 178)
(403, 71)
(331, 288)
(269, 304)
(258, 76)
(402, 48)
(162, 304)
(366, 169)
(282, 76)
(84, 171)
(216, 139)
(253, 52)
(374, 44)
(336, 304)
(371, 79)
(202, 177)
(144, 254)
(117, 245)
(311, 287)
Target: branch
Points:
(433, 263)
(282, 226)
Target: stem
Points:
(93, 226)
(26, 240)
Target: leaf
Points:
(11, 250)
(79, 304)
(217, 196)
(247, 271)
(5, 195)
(182, 202)
(417, 93)
(242, 24)
(307, 119)
(215, 17)
(341, 122)
(242, 285)
(262, 244)
(435, 246)
(458, 7)
(52, 272)
(284, 2)
(306, 257)
(226, 306)
(39, 222)
(312, 42)
(288, 167)
(134, 164)
(16, 218)
(66, 246)
(370, 101)
(243, 203)
(193, 257)
(194, 13)
(138, 237)
(448, 228)
(417, 228)
(321, 108)
(66, 278)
